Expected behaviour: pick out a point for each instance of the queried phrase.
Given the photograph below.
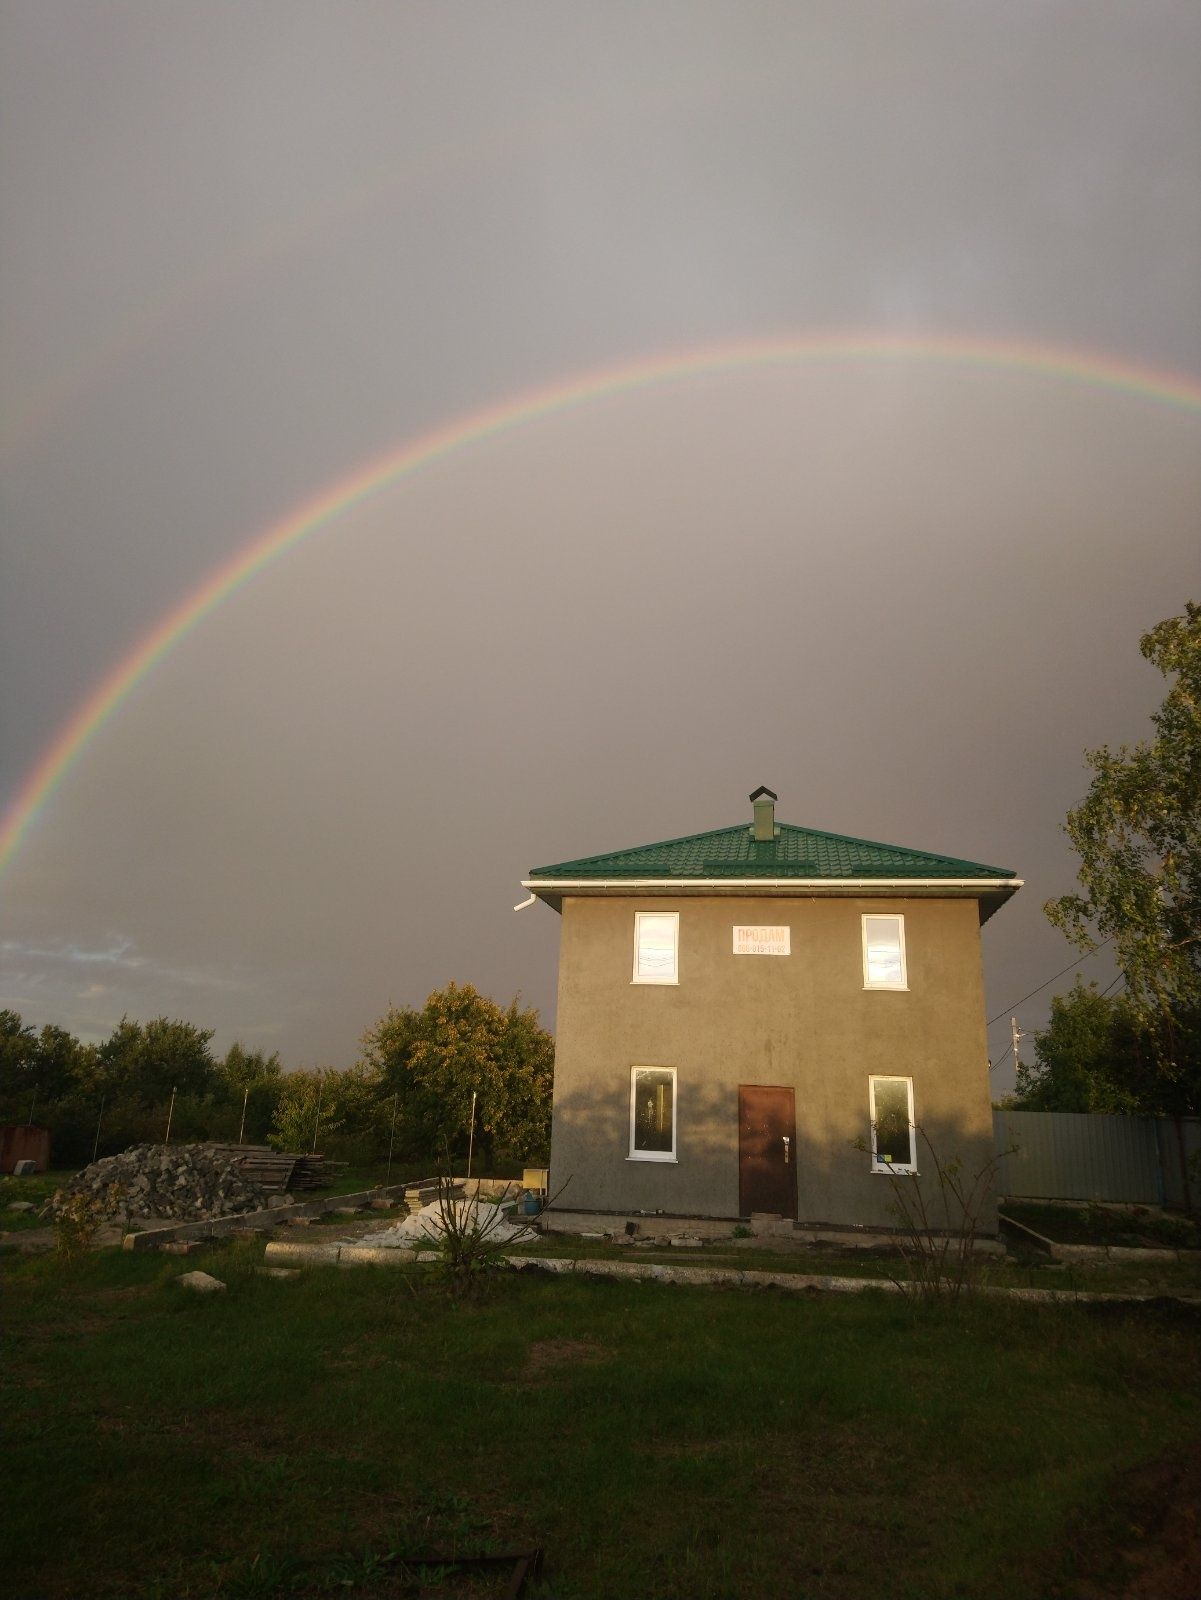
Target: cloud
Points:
(116, 955)
(120, 954)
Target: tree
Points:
(1138, 835)
(242, 1069)
(18, 1060)
(458, 1044)
(250, 1080)
(1094, 1055)
(62, 1064)
(145, 1061)
(307, 1110)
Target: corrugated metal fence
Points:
(1065, 1155)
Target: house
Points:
(737, 1009)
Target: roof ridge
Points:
(740, 830)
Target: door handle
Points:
(787, 1146)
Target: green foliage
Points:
(430, 1059)
(145, 1061)
(461, 1042)
(18, 1058)
(1138, 835)
(306, 1109)
(79, 1217)
(1095, 1054)
(256, 1078)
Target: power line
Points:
(1009, 1009)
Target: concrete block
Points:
(377, 1255)
(280, 1272)
(21, 1205)
(183, 1247)
(24, 1169)
(280, 1250)
(202, 1282)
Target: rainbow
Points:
(518, 411)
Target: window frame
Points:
(876, 983)
(637, 977)
(660, 1156)
(890, 1168)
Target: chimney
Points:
(764, 827)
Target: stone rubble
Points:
(183, 1182)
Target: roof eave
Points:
(990, 892)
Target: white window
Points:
(656, 946)
(884, 953)
(894, 1147)
(652, 1114)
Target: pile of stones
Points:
(182, 1182)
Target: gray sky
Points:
(245, 249)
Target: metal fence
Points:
(1066, 1155)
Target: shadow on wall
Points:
(835, 1184)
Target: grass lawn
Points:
(287, 1435)
(36, 1189)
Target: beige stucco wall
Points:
(803, 1020)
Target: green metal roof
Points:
(804, 853)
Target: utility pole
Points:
(242, 1128)
(1018, 1036)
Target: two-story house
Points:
(736, 1009)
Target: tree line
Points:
(1137, 833)
(411, 1087)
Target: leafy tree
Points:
(242, 1069)
(63, 1065)
(307, 1109)
(252, 1077)
(144, 1061)
(1094, 1055)
(1138, 835)
(18, 1059)
(461, 1042)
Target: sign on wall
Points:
(762, 941)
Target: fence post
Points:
(392, 1135)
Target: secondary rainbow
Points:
(1048, 361)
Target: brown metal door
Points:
(766, 1150)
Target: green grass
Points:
(657, 1441)
(1018, 1269)
(1135, 1226)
